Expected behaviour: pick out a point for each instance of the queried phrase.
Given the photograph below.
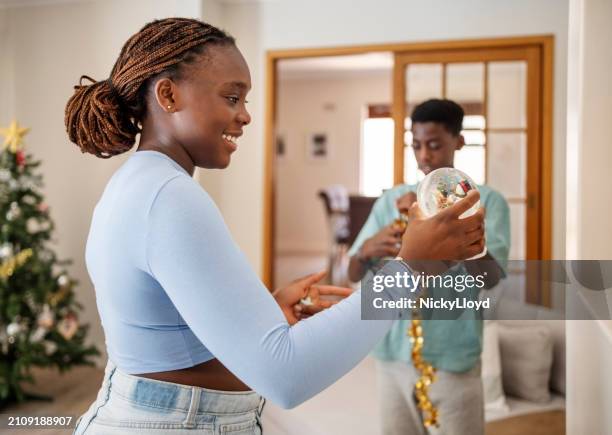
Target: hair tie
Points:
(87, 78)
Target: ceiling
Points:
(367, 63)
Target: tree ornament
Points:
(30, 301)
(32, 225)
(63, 280)
(5, 175)
(14, 211)
(68, 326)
(20, 158)
(50, 347)
(7, 267)
(28, 199)
(38, 334)
(6, 251)
(13, 329)
(13, 137)
(46, 318)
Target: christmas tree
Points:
(39, 326)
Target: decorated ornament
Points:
(50, 347)
(5, 175)
(28, 199)
(58, 296)
(32, 225)
(6, 251)
(46, 318)
(13, 137)
(68, 326)
(63, 280)
(13, 329)
(45, 225)
(38, 334)
(441, 189)
(42, 207)
(14, 211)
(20, 158)
(7, 267)
(307, 301)
(30, 301)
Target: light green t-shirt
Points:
(450, 345)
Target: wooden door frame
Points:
(545, 44)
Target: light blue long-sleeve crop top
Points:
(174, 290)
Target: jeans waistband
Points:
(187, 398)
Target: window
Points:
(376, 160)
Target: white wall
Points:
(7, 100)
(334, 106)
(589, 161)
(317, 23)
(50, 47)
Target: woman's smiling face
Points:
(210, 106)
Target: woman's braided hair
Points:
(104, 117)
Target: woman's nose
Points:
(244, 117)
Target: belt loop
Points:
(260, 408)
(106, 383)
(262, 402)
(194, 405)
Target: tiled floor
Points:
(350, 406)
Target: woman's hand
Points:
(445, 236)
(289, 298)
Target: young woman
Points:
(194, 339)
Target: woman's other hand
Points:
(289, 298)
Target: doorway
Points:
(320, 159)
(467, 71)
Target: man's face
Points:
(434, 146)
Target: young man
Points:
(453, 347)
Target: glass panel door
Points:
(501, 128)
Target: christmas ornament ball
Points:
(442, 188)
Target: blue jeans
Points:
(129, 404)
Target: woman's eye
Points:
(233, 100)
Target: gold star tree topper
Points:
(13, 137)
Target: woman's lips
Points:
(230, 141)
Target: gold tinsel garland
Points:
(427, 372)
(8, 266)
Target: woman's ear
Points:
(165, 95)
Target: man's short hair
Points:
(445, 112)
